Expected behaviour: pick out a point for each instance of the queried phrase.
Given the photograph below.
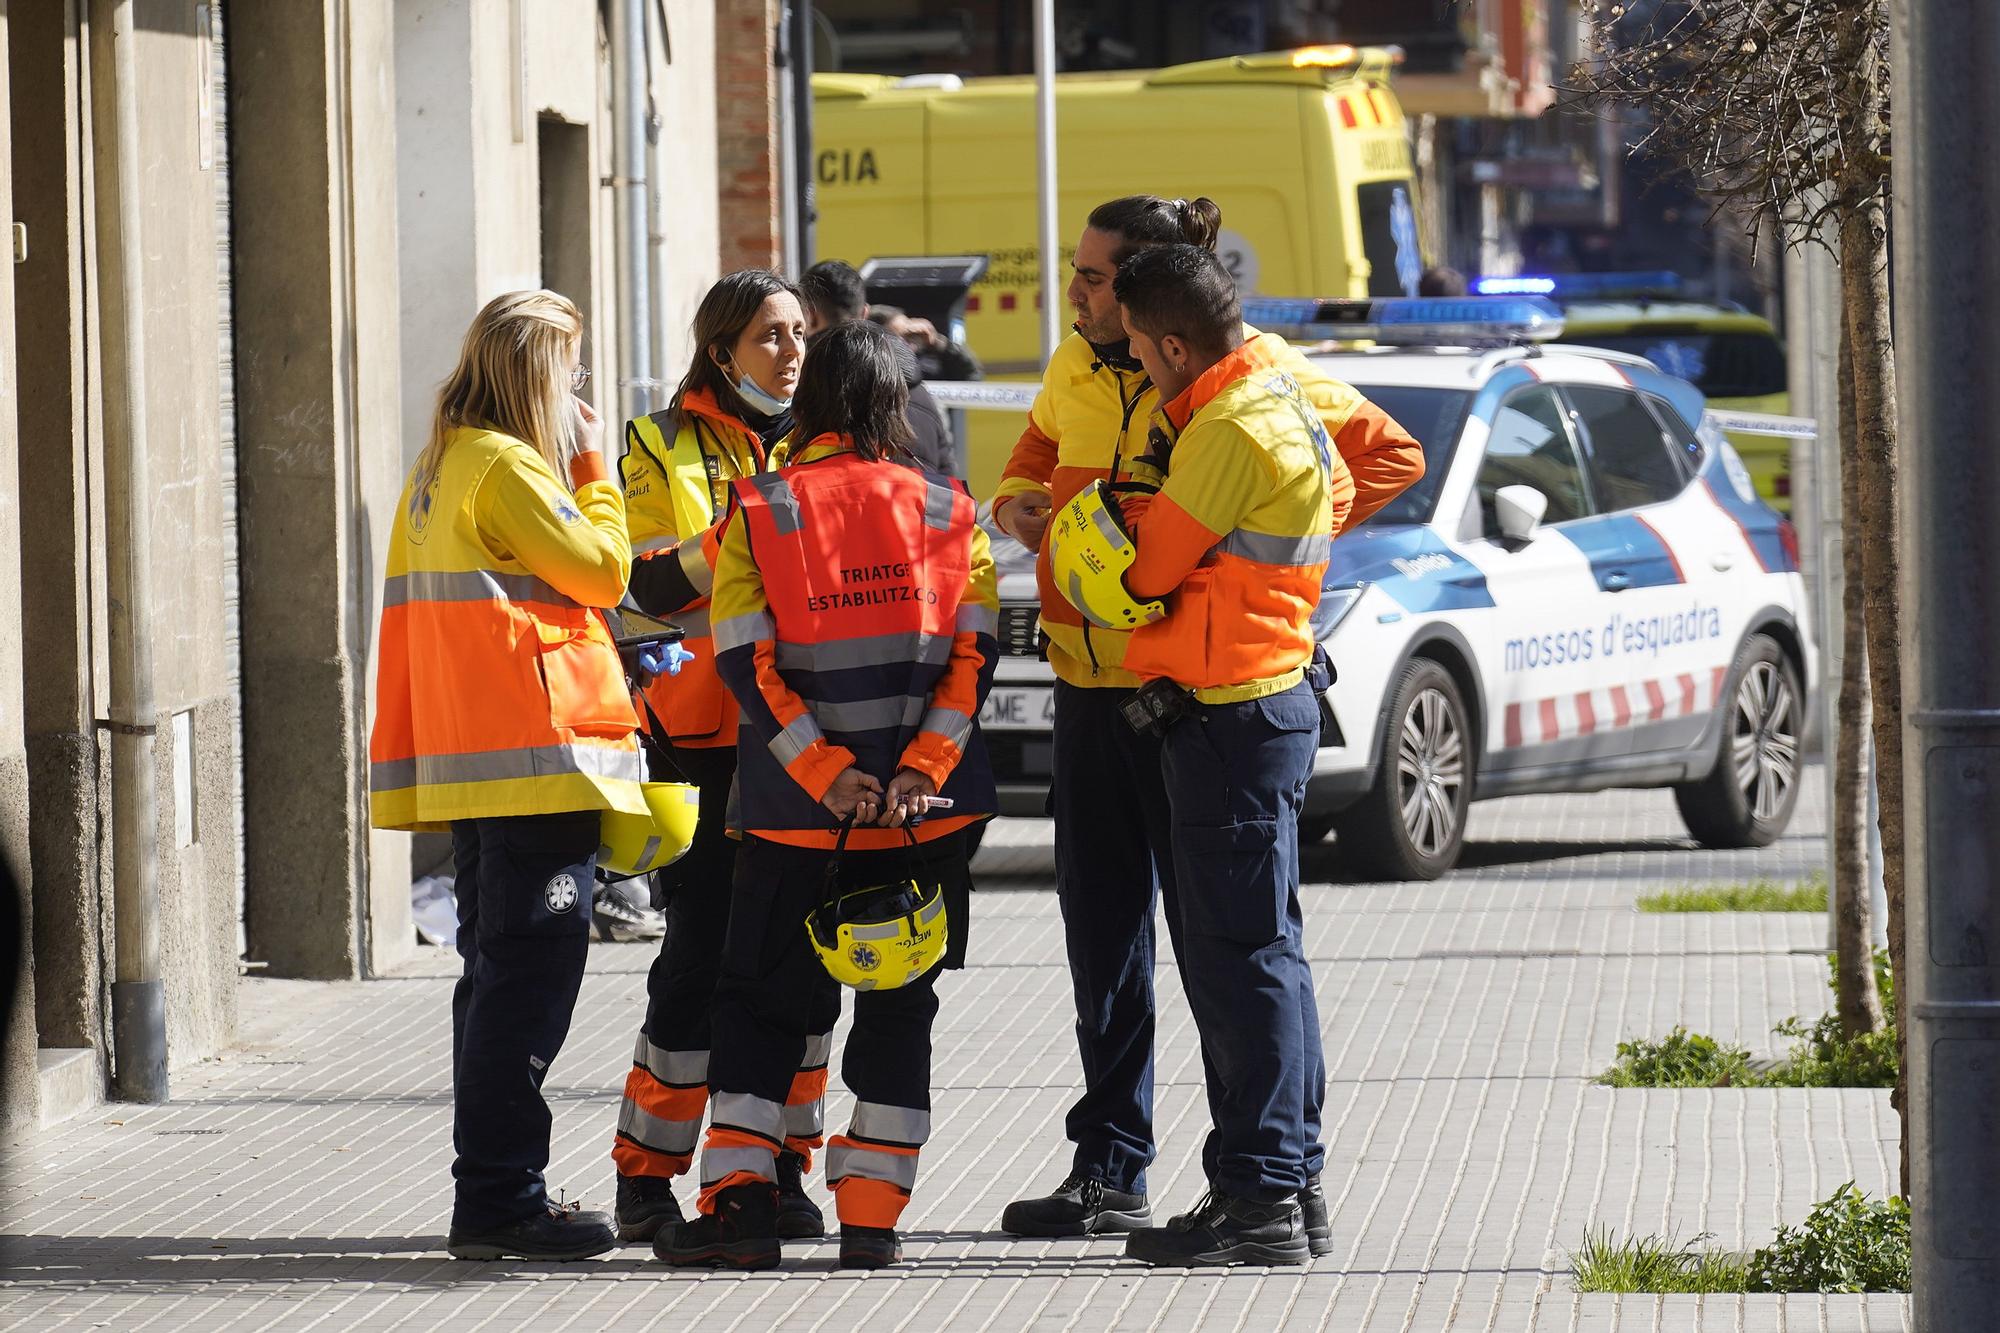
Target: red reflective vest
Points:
(856, 642)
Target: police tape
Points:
(1759, 423)
(1019, 397)
(983, 394)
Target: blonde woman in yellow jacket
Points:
(730, 419)
(502, 715)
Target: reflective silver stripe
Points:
(618, 763)
(887, 930)
(784, 505)
(978, 619)
(471, 585)
(752, 1115)
(798, 734)
(873, 650)
(905, 1125)
(807, 1120)
(742, 631)
(679, 1068)
(845, 1161)
(1082, 604)
(932, 912)
(1268, 549)
(869, 714)
(949, 723)
(649, 1131)
(694, 564)
(938, 504)
(819, 1050)
(652, 544)
(692, 623)
(720, 1163)
(1107, 525)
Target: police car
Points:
(1584, 591)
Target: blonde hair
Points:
(513, 377)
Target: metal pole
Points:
(1045, 174)
(801, 25)
(1947, 188)
(628, 145)
(790, 188)
(138, 993)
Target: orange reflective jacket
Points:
(676, 492)
(498, 689)
(1237, 539)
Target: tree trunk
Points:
(1857, 999)
(1864, 267)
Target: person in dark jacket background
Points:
(835, 294)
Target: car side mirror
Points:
(1519, 510)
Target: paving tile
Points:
(300, 1181)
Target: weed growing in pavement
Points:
(1681, 1059)
(1848, 1243)
(1654, 1263)
(1824, 1057)
(1756, 895)
(1821, 1055)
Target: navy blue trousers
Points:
(523, 891)
(1235, 781)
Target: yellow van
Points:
(1304, 150)
(1732, 356)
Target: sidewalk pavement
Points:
(302, 1182)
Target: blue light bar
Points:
(1514, 286)
(1462, 321)
(1584, 286)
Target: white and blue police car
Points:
(1583, 592)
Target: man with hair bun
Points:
(1233, 548)
(1090, 423)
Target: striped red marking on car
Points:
(1564, 717)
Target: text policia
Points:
(1646, 636)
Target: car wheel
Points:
(1749, 798)
(1411, 824)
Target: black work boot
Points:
(645, 1204)
(1223, 1229)
(1312, 1210)
(869, 1247)
(554, 1234)
(799, 1218)
(742, 1232)
(1080, 1206)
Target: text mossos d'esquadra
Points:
(1619, 636)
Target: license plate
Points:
(1014, 708)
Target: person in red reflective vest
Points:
(854, 619)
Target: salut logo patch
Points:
(560, 894)
(864, 957)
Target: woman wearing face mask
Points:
(729, 419)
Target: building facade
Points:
(316, 196)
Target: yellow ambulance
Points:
(1304, 150)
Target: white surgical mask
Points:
(759, 400)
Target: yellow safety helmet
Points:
(881, 937)
(1089, 552)
(640, 844)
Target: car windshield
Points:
(1434, 417)
(1721, 365)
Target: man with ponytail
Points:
(1090, 422)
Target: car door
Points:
(1539, 649)
(1673, 621)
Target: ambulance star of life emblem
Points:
(560, 894)
(864, 957)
